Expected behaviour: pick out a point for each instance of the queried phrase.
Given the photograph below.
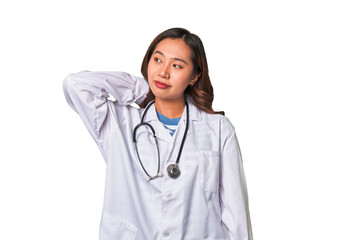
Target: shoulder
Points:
(219, 121)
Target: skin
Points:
(170, 64)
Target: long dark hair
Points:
(201, 92)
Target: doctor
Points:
(187, 182)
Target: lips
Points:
(161, 85)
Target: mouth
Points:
(161, 85)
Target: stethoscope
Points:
(173, 169)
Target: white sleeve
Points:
(87, 94)
(233, 190)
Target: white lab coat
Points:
(209, 199)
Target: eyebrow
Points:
(178, 59)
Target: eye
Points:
(157, 59)
(177, 66)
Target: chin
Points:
(157, 93)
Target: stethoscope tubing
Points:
(173, 169)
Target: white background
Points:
(285, 72)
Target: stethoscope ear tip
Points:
(160, 174)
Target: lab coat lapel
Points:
(160, 131)
(194, 115)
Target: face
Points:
(170, 70)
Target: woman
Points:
(188, 182)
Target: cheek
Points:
(149, 70)
(185, 78)
(152, 67)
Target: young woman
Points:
(174, 169)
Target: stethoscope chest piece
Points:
(173, 171)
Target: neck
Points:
(170, 109)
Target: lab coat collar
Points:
(151, 117)
(194, 113)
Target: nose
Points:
(164, 71)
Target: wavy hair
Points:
(201, 92)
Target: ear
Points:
(194, 79)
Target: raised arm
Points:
(87, 94)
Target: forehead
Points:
(174, 48)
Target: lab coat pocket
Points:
(113, 228)
(209, 170)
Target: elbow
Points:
(69, 86)
(72, 79)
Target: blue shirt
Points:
(170, 124)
